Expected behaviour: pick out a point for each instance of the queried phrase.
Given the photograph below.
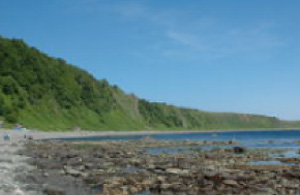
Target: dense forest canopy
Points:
(46, 93)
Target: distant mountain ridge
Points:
(46, 93)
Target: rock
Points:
(51, 190)
(76, 161)
(18, 192)
(239, 150)
(231, 142)
(209, 156)
(84, 174)
(214, 176)
(297, 142)
(89, 166)
(46, 174)
(161, 179)
(178, 171)
(210, 173)
(105, 166)
(230, 182)
(72, 172)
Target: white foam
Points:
(12, 164)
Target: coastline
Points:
(17, 135)
(86, 168)
(126, 167)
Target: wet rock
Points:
(271, 141)
(231, 142)
(239, 150)
(107, 166)
(53, 190)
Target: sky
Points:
(220, 56)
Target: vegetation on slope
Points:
(46, 93)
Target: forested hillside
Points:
(46, 93)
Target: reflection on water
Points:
(144, 193)
(171, 150)
(271, 162)
(288, 153)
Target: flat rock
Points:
(230, 182)
(177, 171)
(51, 190)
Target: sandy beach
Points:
(18, 135)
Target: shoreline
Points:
(86, 168)
(117, 167)
(17, 135)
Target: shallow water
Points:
(289, 139)
(289, 153)
(283, 136)
(170, 150)
(144, 193)
(271, 162)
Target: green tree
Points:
(12, 117)
(1, 105)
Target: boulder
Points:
(230, 182)
(73, 172)
(178, 171)
(239, 150)
(51, 190)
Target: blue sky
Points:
(226, 56)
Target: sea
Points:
(288, 139)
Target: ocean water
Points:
(275, 138)
(287, 139)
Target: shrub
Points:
(11, 117)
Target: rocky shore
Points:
(12, 166)
(128, 168)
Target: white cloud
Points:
(220, 42)
(189, 35)
(207, 36)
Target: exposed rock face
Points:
(125, 167)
